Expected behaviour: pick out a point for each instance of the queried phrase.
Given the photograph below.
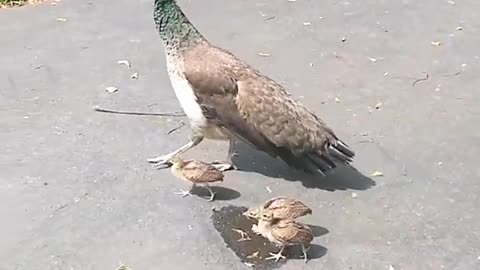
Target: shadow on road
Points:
(314, 252)
(221, 193)
(341, 178)
(318, 230)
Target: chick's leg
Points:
(276, 256)
(304, 250)
(185, 193)
(212, 194)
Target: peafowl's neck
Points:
(176, 31)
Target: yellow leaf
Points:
(377, 173)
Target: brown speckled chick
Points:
(197, 172)
(284, 232)
(281, 208)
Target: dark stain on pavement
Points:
(228, 221)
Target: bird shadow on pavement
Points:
(341, 178)
(318, 230)
(221, 193)
(314, 252)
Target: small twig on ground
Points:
(421, 79)
(76, 200)
(451, 75)
(367, 141)
(180, 125)
(173, 114)
(61, 207)
(270, 18)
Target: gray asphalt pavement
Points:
(76, 191)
